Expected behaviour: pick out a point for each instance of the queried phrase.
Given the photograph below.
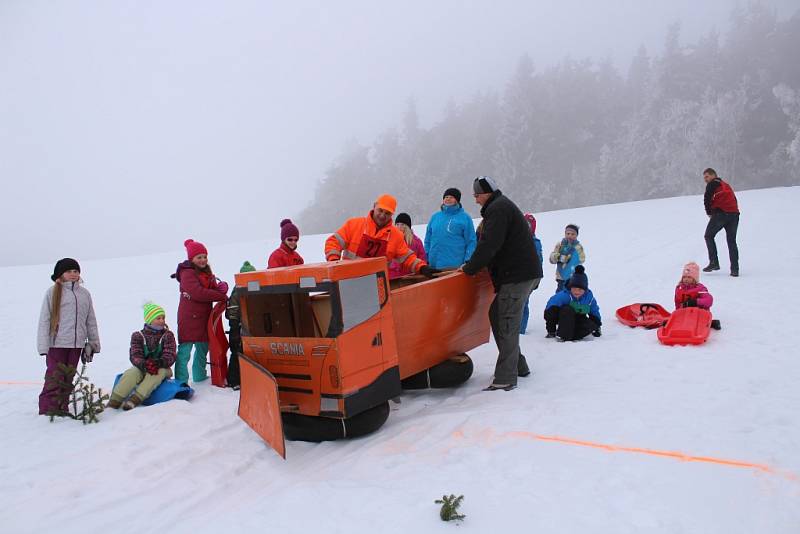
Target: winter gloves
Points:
(596, 332)
(151, 366)
(427, 271)
(223, 286)
(690, 303)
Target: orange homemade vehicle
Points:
(327, 345)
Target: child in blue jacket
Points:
(538, 245)
(573, 313)
(567, 254)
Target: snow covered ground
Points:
(196, 467)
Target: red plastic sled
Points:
(686, 326)
(217, 345)
(646, 314)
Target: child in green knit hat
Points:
(152, 354)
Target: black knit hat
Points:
(452, 192)
(63, 265)
(579, 278)
(484, 184)
(572, 226)
(404, 218)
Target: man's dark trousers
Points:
(505, 315)
(730, 222)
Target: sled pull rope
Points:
(344, 429)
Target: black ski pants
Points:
(567, 324)
(235, 342)
(730, 222)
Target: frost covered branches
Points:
(581, 133)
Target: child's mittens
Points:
(223, 286)
(564, 258)
(151, 366)
(690, 303)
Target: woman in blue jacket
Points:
(450, 238)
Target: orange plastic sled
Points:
(686, 326)
(646, 314)
(217, 345)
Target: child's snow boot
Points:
(114, 403)
(715, 324)
(132, 402)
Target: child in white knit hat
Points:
(152, 354)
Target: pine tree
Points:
(84, 400)
(449, 511)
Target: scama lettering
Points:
(287, 349)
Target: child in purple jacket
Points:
(199, 288)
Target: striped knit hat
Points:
(151, 311)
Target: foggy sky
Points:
(129, 126)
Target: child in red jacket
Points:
(690, 292)
(199, 288)
(286, 255)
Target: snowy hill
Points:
(581, 446)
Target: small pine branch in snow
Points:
(84, 400)
(449, 511)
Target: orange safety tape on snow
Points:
(639, 450)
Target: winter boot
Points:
(550, 335)
(114, 403)
(497, 387)
(711, 267)
(132, 402)
(715, 324)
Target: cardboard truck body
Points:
(337, 337)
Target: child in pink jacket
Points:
(403, 222)
(690, 292)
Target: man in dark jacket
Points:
(723, 212)
(506, 248)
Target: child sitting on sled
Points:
(572, 313)
(690, 293)
(152, 353)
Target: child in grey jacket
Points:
(67, 333)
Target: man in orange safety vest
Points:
(374, 236)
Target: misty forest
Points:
(581, 133)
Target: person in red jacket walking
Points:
(723, 212)
(286, 254)
(199, 288)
